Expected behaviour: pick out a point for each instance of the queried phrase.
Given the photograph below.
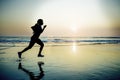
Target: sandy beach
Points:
(65, 62)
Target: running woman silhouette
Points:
(37, 30)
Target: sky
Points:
(66, 18)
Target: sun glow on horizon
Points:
(74, 28)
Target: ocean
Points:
(12, 40)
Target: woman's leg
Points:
(41, 47)
(27, 48)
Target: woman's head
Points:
(40, 21)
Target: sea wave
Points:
(10, 41)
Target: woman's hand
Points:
(45, 26)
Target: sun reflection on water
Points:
(74, 49)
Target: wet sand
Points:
(71, 62)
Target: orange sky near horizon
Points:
(81, 18)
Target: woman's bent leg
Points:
(27, 48)
(41, 47)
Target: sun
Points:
(74, 28)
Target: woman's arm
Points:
(33, 28)
(44, 27)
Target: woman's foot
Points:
(40, 55)
(19, 54)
